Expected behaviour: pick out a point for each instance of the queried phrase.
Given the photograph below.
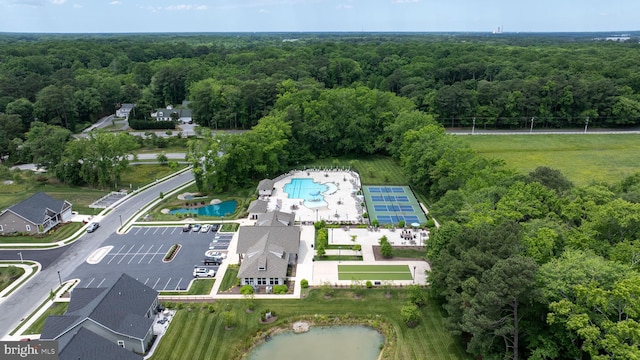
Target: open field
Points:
(374, 170)
(581, 158)
(201, 333)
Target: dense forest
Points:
(526, 266)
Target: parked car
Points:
(203, 272)
(196, 227)
(215, 227)
(205, 228)
(186, 227)
(213, 257)
(93, 227)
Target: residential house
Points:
(122, 315)
(170, 114)
(265, 187)
(35, 215)
(124, 110)
(267, 249)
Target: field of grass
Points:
(374, 276)
(202, 335)
(373, 268)
(230, 278)
(581, 158)
(374, 170)
(57, 308)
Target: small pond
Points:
(224, 208)
(341, 342)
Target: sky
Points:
(118, 16)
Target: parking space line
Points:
(90, 282)
(136, 254)
(137, 231)
(126, 254)
(145, 233)
(146, 281)
(172, 231)
(145, 254)
(167, 284)
(154, 255)
(114, 255)
(154, 285)
(178, 284)
(103, 279)
(156, 230)
(165, 230)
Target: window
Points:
(273, 281)
(1, 229)
(28, 227)
(121, 343)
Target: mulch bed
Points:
(379, 257)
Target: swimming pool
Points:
(310, 191)
(224, 208)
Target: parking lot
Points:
(141, 251)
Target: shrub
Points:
(386, 250)
(401, 223)
(369, 284)
(365, 215)
(410, 315)
(229, 319)
(375, 223)
(320, 250)
(280, 289)
(304, 283)
(246, 290)
(431, 223)
(417, 296)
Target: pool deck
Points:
(341, 205)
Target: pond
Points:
(224, 208)
(341, 342)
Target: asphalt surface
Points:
(63, 265)
(140, 253)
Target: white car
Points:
(205, 228)
(203, 272)
(93, 227)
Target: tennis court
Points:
(392, 204)
(374, 272)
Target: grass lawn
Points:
(9, 274)
(581, 158)
(198, 287)
(373, 268)
(60, 233)
(409, 253)
(374, 170)
(145, 174)
(230, 278)
(201, 333)
(371, 275)
(57, 308)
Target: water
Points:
(342, 342)
(224, 208)
(306, 189)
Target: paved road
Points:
(28, 297)
(597, 131)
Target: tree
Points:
(386, 250)
(102, 157)
(55, 105)
(320, 251)
(10, 128)
(410, 315)
(24, 108)
(46, 143)
(551, 178)
(228, 319)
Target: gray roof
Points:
(258, 206)
(266, 184)
(264, 259)
(121, 308)
(87, 345)
(39, 206)
(126, 106)
(167, 112)
(287, 237)
(276, 218)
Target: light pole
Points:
(120, 215)
(532, 124)
(59, 278)
(586, 124)
(21, 260)
(414, 274)
(473, 128)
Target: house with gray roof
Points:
(124, 110)
(256, 208)
(265, 187)
(276, 218)
(266, 252)
(122, 315)
(170, 113)
(35, 215)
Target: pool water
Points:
(224, 208)
(342, 342)
(306, 189)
